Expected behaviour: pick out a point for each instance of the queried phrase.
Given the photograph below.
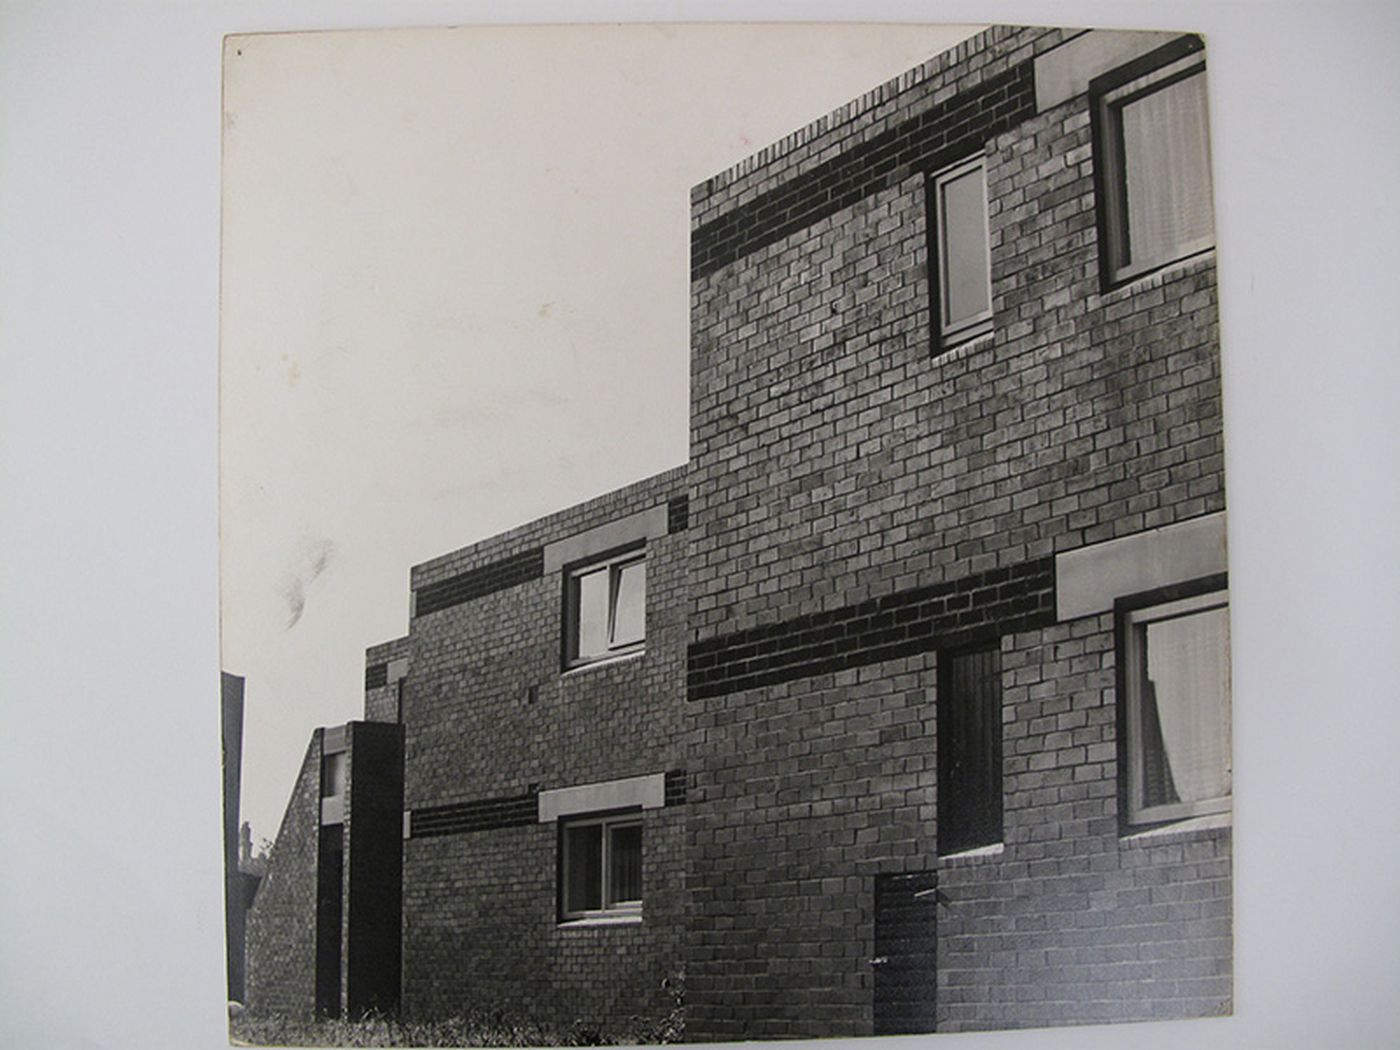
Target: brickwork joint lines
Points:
(946, 133)
(959, 612)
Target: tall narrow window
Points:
(963, 274)
(1176, 708)
(333, 787)
(1153, 169)
(606, 614)
(969, 749)
(601, 867)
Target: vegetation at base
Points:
(269, 1030)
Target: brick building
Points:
(904, 706)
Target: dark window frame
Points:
(613, 561)
(948, 336)
(1131, 818)
(609, 909)
(1106, 102)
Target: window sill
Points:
(589, 921)
(962, 347)
(602, 661)
(976, 853)
(1152, 836)
(1150, 279)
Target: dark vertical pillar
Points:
(375, 869)
(330, 871)
(235, 896)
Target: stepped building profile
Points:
(904, 705)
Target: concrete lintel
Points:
(645, 525)
(334, 739)
(1089, 580)
(1065, 71)
(648, 792)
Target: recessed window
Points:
(1176, 708)
(606, 608)
(1153, 169)
(600, 871)
(969, 749)
(963, 273)
(333, 787)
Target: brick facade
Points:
(491, 721)
(845, 467)
(865, 500)
(282, 921)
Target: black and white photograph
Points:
(693, 576)
(632, 525)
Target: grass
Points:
(250, 1029)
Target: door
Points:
(906, 953)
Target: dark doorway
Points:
(330, 869)
(906, 953)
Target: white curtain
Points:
(1166, 153)
(1188, 665)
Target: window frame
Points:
(1175, 62)
(951, 334)
(610, 910)
(1130, 648)
(614, 562)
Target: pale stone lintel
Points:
(397, 669)
(646, 525)
(649, 792)
(1090, 579)
(1065, 71)
(333, 810)
(333, 739)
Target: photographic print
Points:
(723, 534)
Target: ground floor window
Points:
(1175, 708)
(600, 869)
(969, 749)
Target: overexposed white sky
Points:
(455, 294)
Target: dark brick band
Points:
(376, 675)
(475, 583)
(932, 140)
(961, 612)
(676, 787)
(678, 514)
(483, 815)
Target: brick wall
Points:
(481, 930)
(844, 468)
(836, 457)
(282, 920)
(381, 686)
(491, 720)
(807, 790)
(1073, 923)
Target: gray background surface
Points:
(110, 890)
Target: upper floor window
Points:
(333, 787)
(606, 608)
(1153, 166)
(963, 272)
(1175, 707)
